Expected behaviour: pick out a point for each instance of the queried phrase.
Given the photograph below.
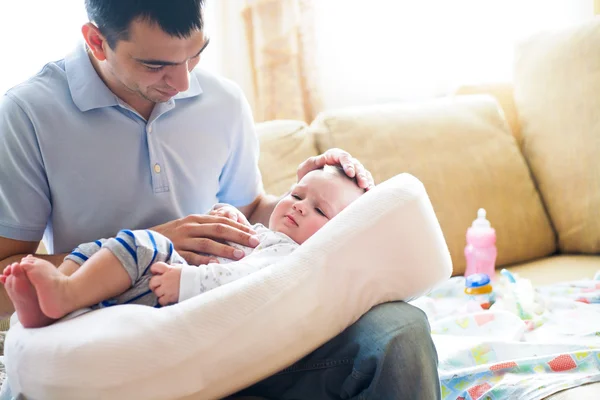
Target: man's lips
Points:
(168, 92)
(291, 219)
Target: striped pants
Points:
(137, 251)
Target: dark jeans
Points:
(388, 354)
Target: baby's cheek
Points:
(314, 227)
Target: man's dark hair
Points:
(176, 17)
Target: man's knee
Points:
(408, 333)
(396, 356)
(397, 318)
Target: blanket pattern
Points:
(532, 343)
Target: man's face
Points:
(152, 64)
(318, 197)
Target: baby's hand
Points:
(230, 212)
(165, 282)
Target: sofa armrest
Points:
(504, 94)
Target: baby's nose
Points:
(299, 207)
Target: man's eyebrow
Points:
(161, 62)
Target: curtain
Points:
(281, 42)
(383, 51)
(306, 56)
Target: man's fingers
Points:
(219, 232)
(348, 164)
(214, 219)
(197, 259)
(310, 164)
(331, 157)
(354, 168)
(363, 177)
(212, 248)
(369, 181)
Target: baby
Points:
(142, 267)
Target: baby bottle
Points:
(481, 251)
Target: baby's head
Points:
(312, 202)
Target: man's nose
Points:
(179, 78)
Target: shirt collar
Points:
(89, 91)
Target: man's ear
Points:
(95, 40)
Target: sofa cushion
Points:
(557, 92)
(558, 268)
(284, 144)
(461, 149)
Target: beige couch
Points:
(529, 153)
(462, 149)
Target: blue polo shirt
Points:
(78, 164)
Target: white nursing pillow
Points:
(386, 246)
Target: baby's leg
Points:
(79, 255)
(68, 267)
(99, 278)
(24, 298)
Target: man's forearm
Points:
(262, 212)
(55, 259)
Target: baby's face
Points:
(318, 197)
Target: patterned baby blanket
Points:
(531, 343)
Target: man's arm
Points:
(14, 250)
(260, 210)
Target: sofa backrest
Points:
(459, 147)
(557, 93)
(284, 144)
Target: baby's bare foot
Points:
(49, 285)
(6, 273)
(24, 297)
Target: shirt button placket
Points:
(159, 183)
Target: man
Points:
(125, 133)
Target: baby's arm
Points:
(175, 283)
(197, 280)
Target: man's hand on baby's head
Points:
(351, 166)
(165, 282)
(230, 212)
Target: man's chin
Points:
(156, 96)
(159, 98)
